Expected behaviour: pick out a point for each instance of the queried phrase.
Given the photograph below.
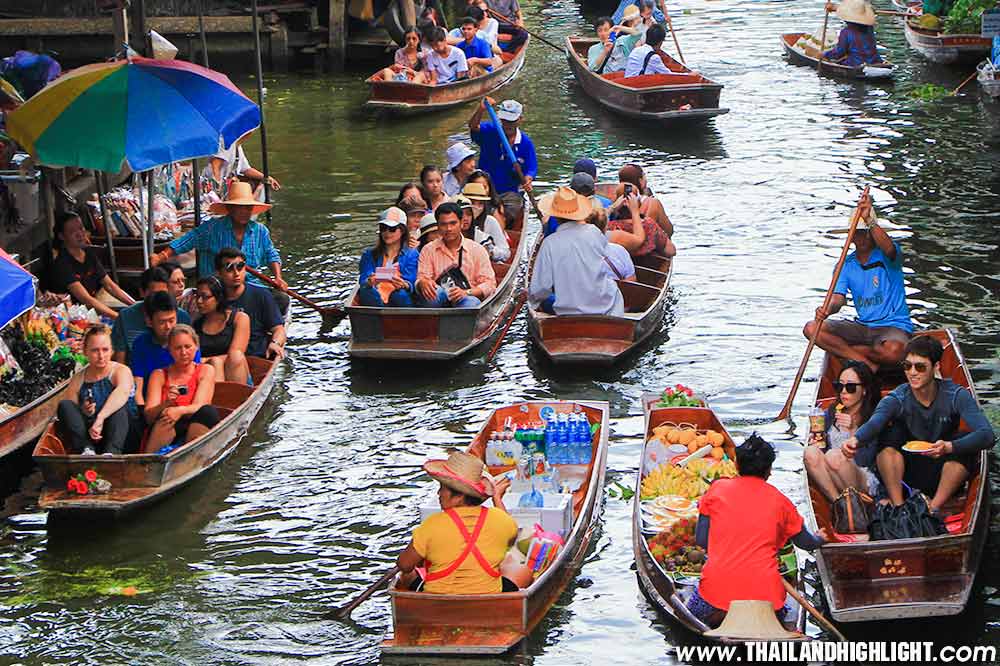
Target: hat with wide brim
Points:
(476, 192)
(566, 204)
(752, 621)
(631, 12)
(458, 153)
(240, 194)
(856, 11)
(462, 472)
(428, 223)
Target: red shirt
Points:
(751, 522)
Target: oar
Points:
(513, 159)
(344, 612)
(326, 311)
(962, 84)
(501, 17)
(503, 334)
(822, 39)
(855, 218)
(670, 24)
(825, 623)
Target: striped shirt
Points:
(217, 234)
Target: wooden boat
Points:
(141, 479)
(405, 98)
(893, 579)
(943, 48)
(799, 56)
(681, 96)
(989, 79)
(669, 592)
(24, 426)
(450, 624)
(436, 334)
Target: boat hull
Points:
(947, 49)
(27, 424)
(797, 56)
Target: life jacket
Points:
(470, 547)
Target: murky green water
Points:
(315, 504)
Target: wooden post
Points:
(201, 31)
(336, 35)
(119, 21)
(139, 32)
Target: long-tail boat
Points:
(451, 624)
(140, 479)
(681, 96)
(893, 579)
(407, 98)
(798, 55)
(669, 591)
(436, 334)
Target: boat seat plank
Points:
(654, 80)
(649, 276)
(638, 297)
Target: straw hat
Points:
(856, 11)
(752, 620)
(565, 204)
(631, 12)
(240, 194)
(476, 192)
(463, 473)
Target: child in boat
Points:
(439, 543)
(856, 44)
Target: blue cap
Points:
(585, 165)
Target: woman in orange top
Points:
(462, 547)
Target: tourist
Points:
(149, 350)
(649, 206)
(570, 263)
(412, 192)
(428, 230)
(493, 206)
(178, 402)
(928, 409)
(78, 271)
(616, 257)
(131, 321)
(223, 331)
(583, 183)
(648, 58)
(392, 249)
(486, 228)
(829, 469)
(177, 287)
(478, 54)
(873, 274)
(511, 23)
(599, 54)
(440, 544)
(98, 409)
(743, 522)
(658, 14)
(453, 271)
(589, 167)
(445, 63)
(267, 324)
(508, 179)
(486, 29)
(856, 43)
(626, 36)
(461, 163)
(415, 210)
(432, 187)
(410, 61)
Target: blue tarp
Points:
(17, 290)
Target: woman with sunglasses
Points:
(392, 250)
(223, 330)
(829, 469)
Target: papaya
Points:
(686, 437)
(717, 452)
(701, 440)
(673, 436)
(693, 446)
(715, 438)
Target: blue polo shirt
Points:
(148, 355)
(493, 158)
(877, 289)
(131, 323)
(477, 48)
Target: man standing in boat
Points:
(508, 179)
(873, 274)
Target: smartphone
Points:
(182, 390)
(628, 189)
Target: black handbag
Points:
(852, 512)
(454, 277)
(911, 520)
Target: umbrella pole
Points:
(101, 191)
(196, 172)
(260, 102)
(201, 29)
(148, 241)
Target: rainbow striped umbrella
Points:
(140, 112)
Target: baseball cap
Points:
(510, 110)
(582, 183)
(392, 217)
(585, 165)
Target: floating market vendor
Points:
(856, 44)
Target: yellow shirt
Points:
(439, 542)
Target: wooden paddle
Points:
(513, 315)
(859, 210)
(670, 24)
(501, 17)
(962, 84)
(331, 312)
(344, 612)
(825, 623)
(822, 39)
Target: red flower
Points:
(81, 488)
(90, 475)
(71, 485)
(689, 392)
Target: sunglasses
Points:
(919, 367)
(850, 387)
(383, 227)
(234, 266)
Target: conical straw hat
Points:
(856, 11)
(752, 620)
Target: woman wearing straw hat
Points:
(484, 227)
(462, 548)
(856, 44)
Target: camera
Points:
(182, 390)
(628, 189)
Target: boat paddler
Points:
(462, 547)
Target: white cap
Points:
(458, 153)
(392, 217)
(510, 110)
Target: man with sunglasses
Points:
(267, 324)
(873, 274)
(932, 410)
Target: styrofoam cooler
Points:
(555, 516)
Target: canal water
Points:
(323, 493)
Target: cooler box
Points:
(556, 516)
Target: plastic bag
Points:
(543, 550)
(8, 364)
(656, 454)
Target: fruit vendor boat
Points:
(436, 334)
(902, 578)
(406, 98)
(683, 96)
(451, 624)
(943, 48)
(797, 55)
(24, 426)
(667, 590)
(140, 479)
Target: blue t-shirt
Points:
(131, 323)
(148, 355)
(477, 48)
(877, 289)
(493, 158)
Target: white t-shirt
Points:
(487, 34)
(448, 67)
(621, 260)
(497, 244)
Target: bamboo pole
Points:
(260, 102)
(101, 191)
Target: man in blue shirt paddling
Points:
(493, 158)
(873, 274)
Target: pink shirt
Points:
(436, 258)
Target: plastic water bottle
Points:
(550, 441)
(584, 439)
(563, 440)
